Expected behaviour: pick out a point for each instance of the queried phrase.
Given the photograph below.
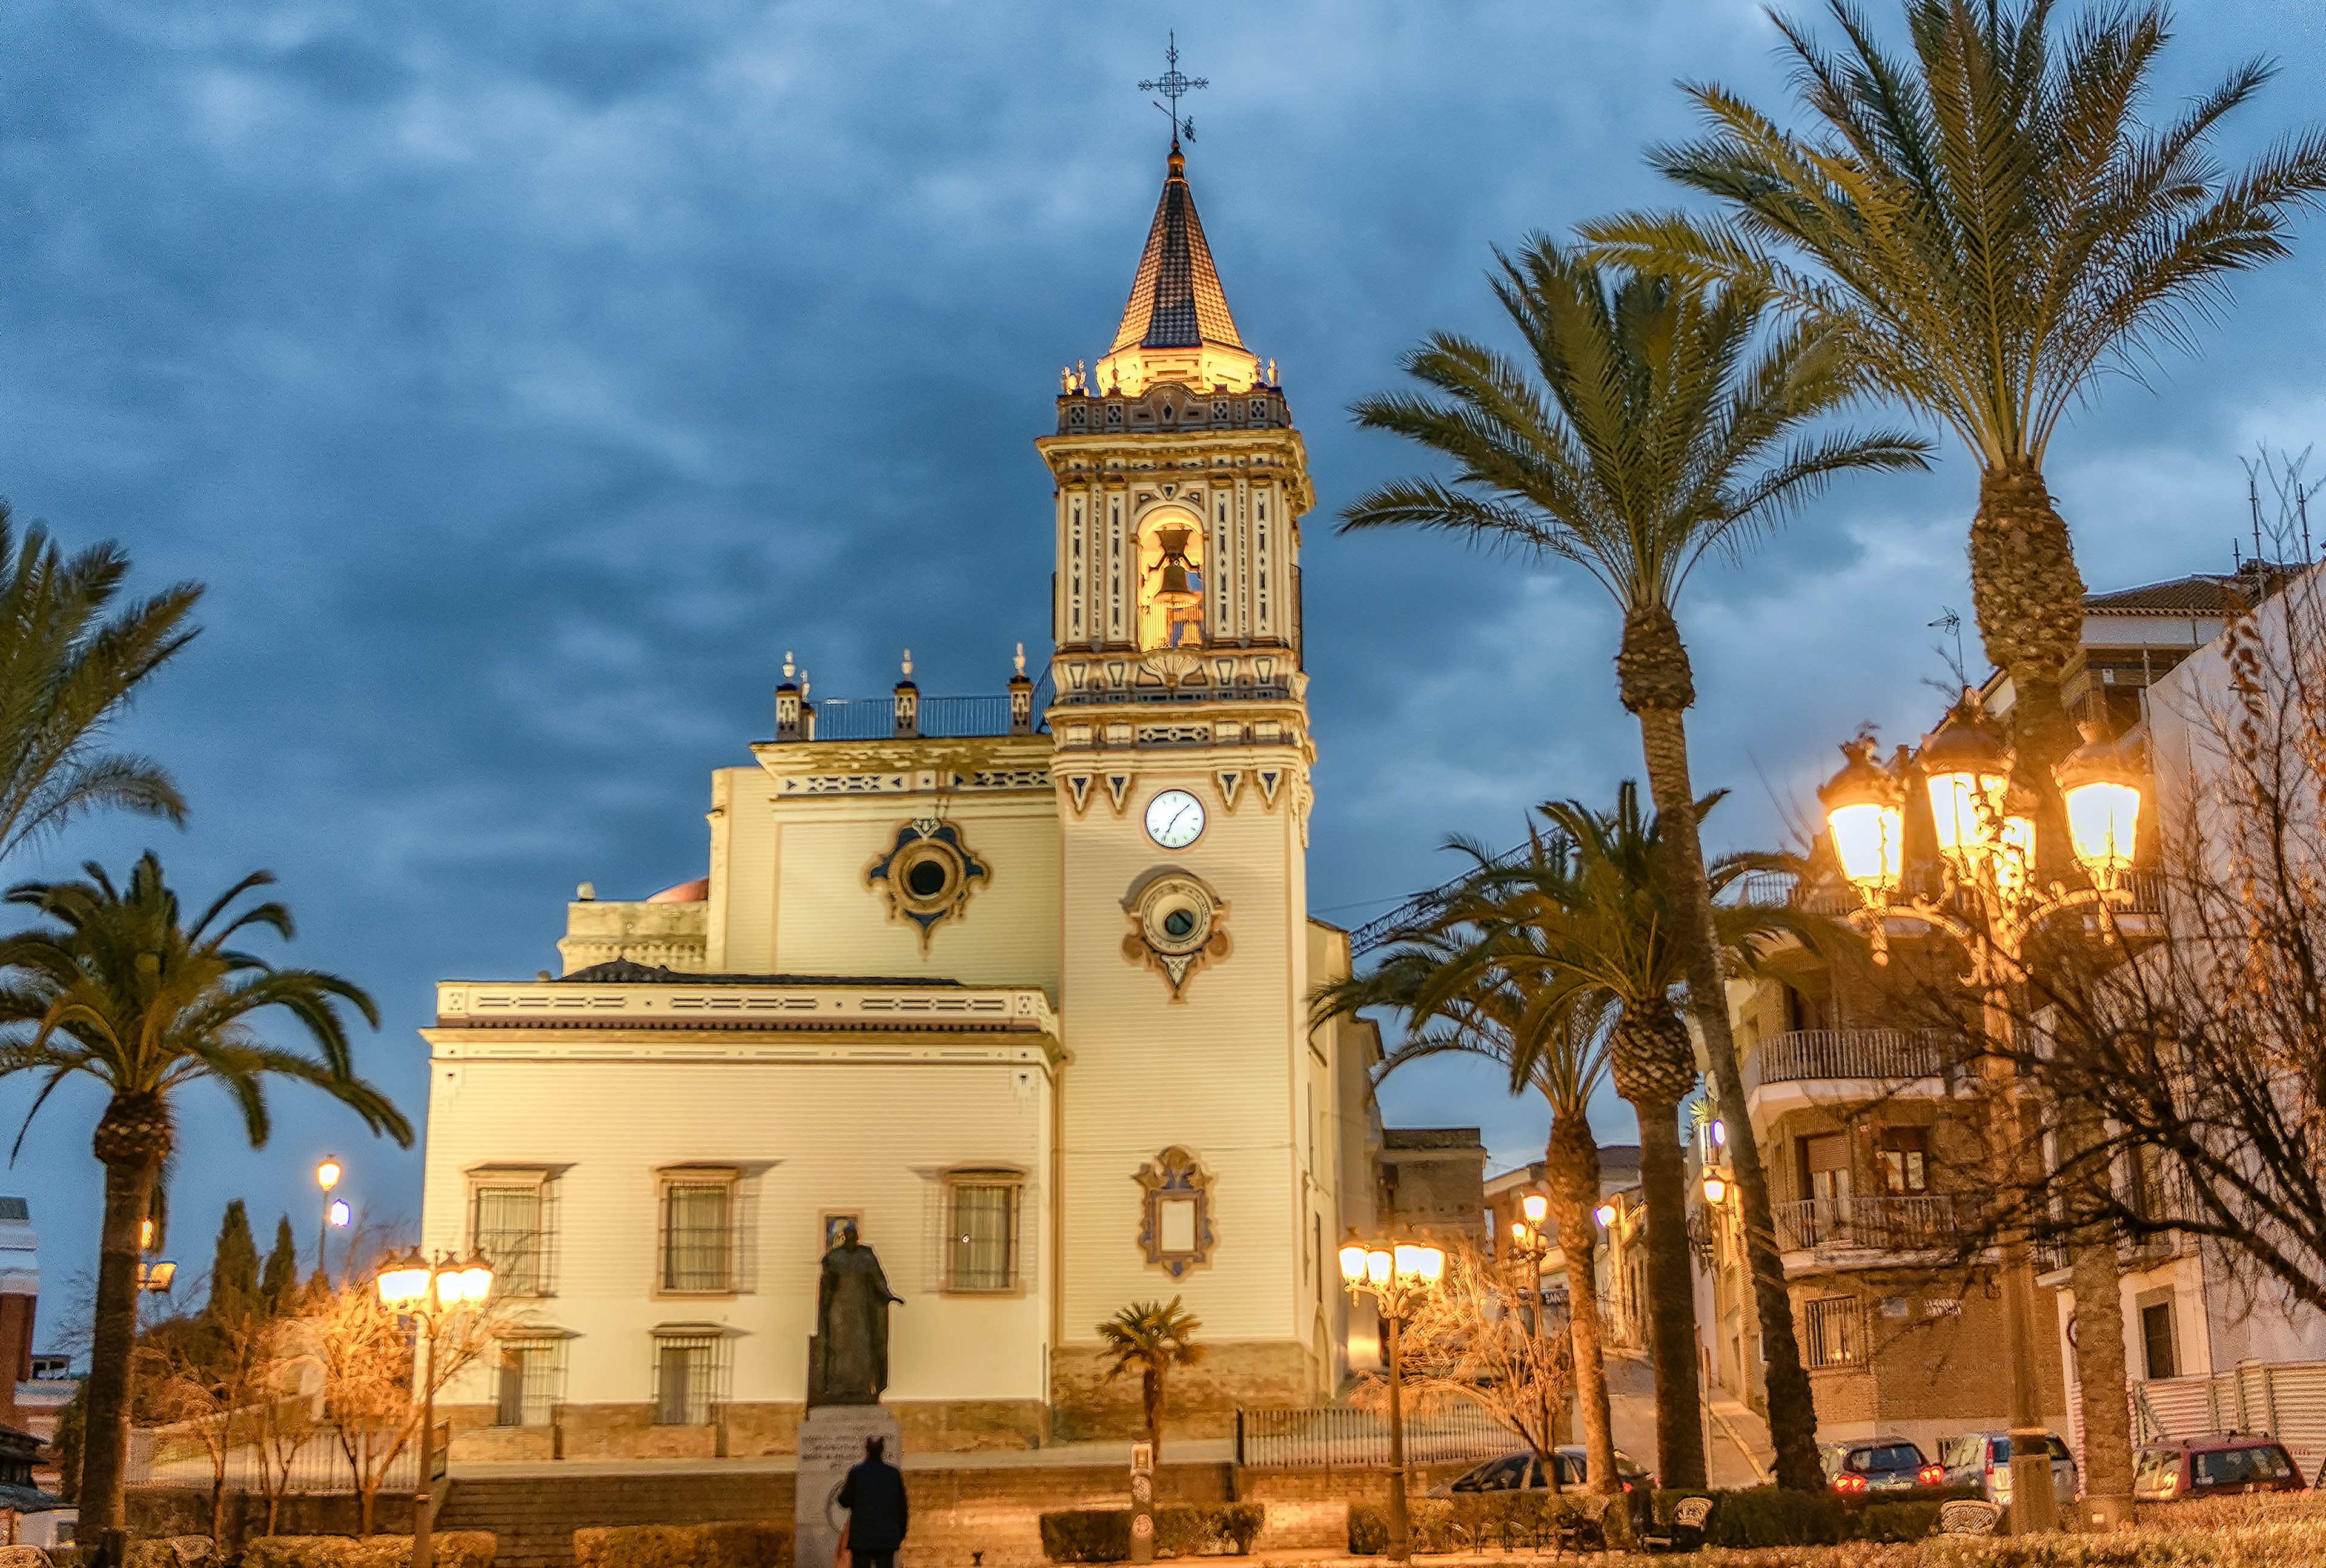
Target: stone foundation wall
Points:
(741, 1430)
(1199, 1401)
(154, 1511)
(628, 1432)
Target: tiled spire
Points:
(1176, 301)
(1176, 324)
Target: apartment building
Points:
(1871, 1135)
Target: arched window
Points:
(1171, 579)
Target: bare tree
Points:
(370, 1381)
(1472, 1343)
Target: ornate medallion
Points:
(926, 874)
(1178, 925)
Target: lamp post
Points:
(1986, 848)
(327, 1176)
(1529, 1246)
(431, 1293)
(1397, 1276)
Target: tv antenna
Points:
(1174, 86)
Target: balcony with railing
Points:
(1785, 890)
(1885, 1056)
(1921, 1223)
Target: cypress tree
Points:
(280, 1282)
(234, 1270)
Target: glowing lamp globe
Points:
(1865, 816)
(1536, 1207)
(1429, 1264)
(1968, 770)
(1353, 1260)
(327, 1174)
(404, 1284)
(1378, 1263)
(2102, 790)
(1605, 1214)
(1715, 1189)
(475, 1281)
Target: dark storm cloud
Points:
(527, 379)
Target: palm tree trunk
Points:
(2030, 601)
(1571, 1161)
(1655, 682)
(2100, 1361)
(1151, 1389)
(1671, 1299)
(105, 1446)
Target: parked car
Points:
(1876, 1464)
(2224, 1462)
(1520, 1472)
(1983, 1460)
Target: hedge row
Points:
(1770, 1516)
(1760, 1517)
(725, 1544)
(2270, 1544)
(1181, 1530)
(453, 1549)
(1512, 1521)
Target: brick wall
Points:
(1201, 1400)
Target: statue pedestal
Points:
(831, 1444)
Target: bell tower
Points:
(1189, 1135)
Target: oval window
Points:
(926, 878)
(1179, 922)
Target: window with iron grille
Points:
(511, 1224)
(1835, 1330)
(688, 1368)
(526, 1393)
(982, 1230)
(698, 1234)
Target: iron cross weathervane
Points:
(1175, 86)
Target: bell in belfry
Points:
(1180, 587)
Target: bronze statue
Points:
(848, 1358)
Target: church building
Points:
(1017, 986)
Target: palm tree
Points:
(1608, 921)
(1459, 992)
(1151, 1338)
(117, 987)
(65, 671)
(1656, 433)
(1993, 228)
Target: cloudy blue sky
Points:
(525, 379)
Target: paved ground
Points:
(1187, 1451)
(1739, 1438)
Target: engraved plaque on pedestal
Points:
(831, 1444)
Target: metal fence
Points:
(940, 717)
(2286, 1399)
(174, 1456)
(1335, 1437)
(1917, 1224)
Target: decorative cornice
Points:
(565, 1005)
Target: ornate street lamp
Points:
(1398, 1276)
(431, 1291)
(1529, 1246)
(1986, 843)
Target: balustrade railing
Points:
(316, 1463)
(1882, 1055)
(1923, 1223)
(1331, 1437)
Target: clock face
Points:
(1175, 819)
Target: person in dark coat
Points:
(874, 1496)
